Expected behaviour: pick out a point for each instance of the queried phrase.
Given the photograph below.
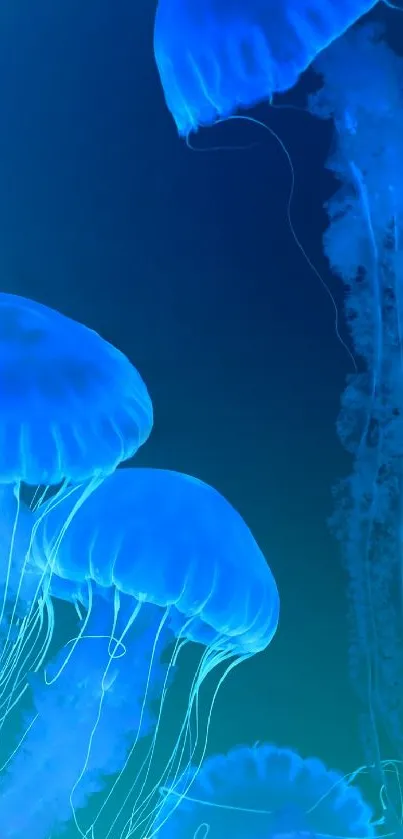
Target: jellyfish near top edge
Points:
(217, 56)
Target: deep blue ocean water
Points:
(185, 260)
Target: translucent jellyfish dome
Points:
(216, 56)
(261, 793)
(171, 540)
(71, 405)
(154, 560)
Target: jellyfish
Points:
(72, 407)
(217, 56)
(263, 792)
(362, 92)
(86, 711)
(167, 564)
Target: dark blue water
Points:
(186, 261)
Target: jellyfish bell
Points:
(171, 540)
(72, 407)
(217, 56)
(261, 793)
(175, 549)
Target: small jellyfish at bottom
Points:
(263, 792)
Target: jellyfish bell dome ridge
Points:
(216, 56)
(170, 540)
(71, 404)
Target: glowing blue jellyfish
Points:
(362, 92)
(172, 540)
(72, 407)
(171, 562)
(262, 793)
(87, 710)
(215, 56)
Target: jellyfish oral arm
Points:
(362, 93)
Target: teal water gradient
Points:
(185, 260)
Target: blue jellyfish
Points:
(87, 710)
(169, 539)
(215, 56)
(264, 792)
(72, 407)
(163, 552)
(362, 92)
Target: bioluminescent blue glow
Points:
(362, 93)
(155, 566)
(72, 407)
(172, 540)
(87, 710)
(261, 793)
(216, 56)
(153, 560)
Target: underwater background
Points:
(185, 260)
